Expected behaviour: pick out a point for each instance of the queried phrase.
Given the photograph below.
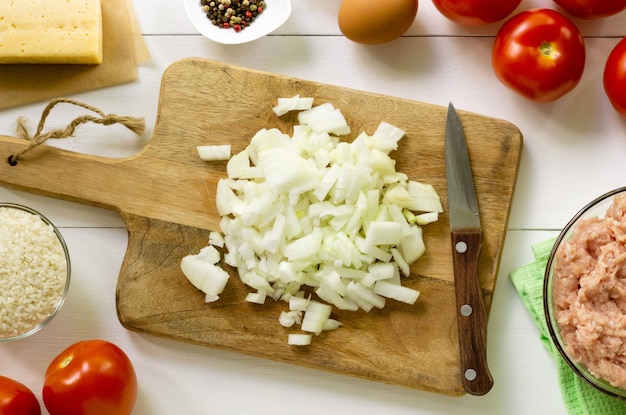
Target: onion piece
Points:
(289, 318)
(204, 275)
(257, 297)
(397, 292)
(299, 339)
(331, 324)
(214, 152)
(325, 118)
(315, 316)
(298, 304)
(292, 104)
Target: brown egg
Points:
(376, 21)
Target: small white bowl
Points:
(276, 13)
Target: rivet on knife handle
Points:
(472, 320)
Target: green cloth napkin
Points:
(579, 397)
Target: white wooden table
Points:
(574, 150)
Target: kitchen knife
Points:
(466, 238)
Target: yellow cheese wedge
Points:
(51, 31)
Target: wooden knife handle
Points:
(471, 314)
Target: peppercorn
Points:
(236, 14)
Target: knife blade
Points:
(466, 241)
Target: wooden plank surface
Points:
(166, 196)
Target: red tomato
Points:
(592, 9)
(540, 54)
(476, 12)
(615, 77)
(91, 377)
(17, 399)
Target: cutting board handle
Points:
(61, 174)
(145, 186)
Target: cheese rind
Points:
(51, 31)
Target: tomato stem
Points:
(546, 49)
(67, 361)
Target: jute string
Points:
(136, 125)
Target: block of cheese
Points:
(51, 31)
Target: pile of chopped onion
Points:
(309, 213)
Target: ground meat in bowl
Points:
(590, 294)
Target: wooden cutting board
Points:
(166, 196)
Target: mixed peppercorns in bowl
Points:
(233, 14)
(237, 21)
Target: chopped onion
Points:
(257, 297)
(384, 233)
(214, 152)
(216, 239)
(324, 118)
(299, 339)
(310, 210)
(292, 104)
(298, 304)
(397, 292)
(331, 324)
(289, 318)
(315, 317)
(412, 245)
(203, 274)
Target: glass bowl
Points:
(581, 323)
(34, 271)
(277, 13)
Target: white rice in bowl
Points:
(34, 271)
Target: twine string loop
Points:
(136, 125)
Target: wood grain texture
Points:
(165, 195)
